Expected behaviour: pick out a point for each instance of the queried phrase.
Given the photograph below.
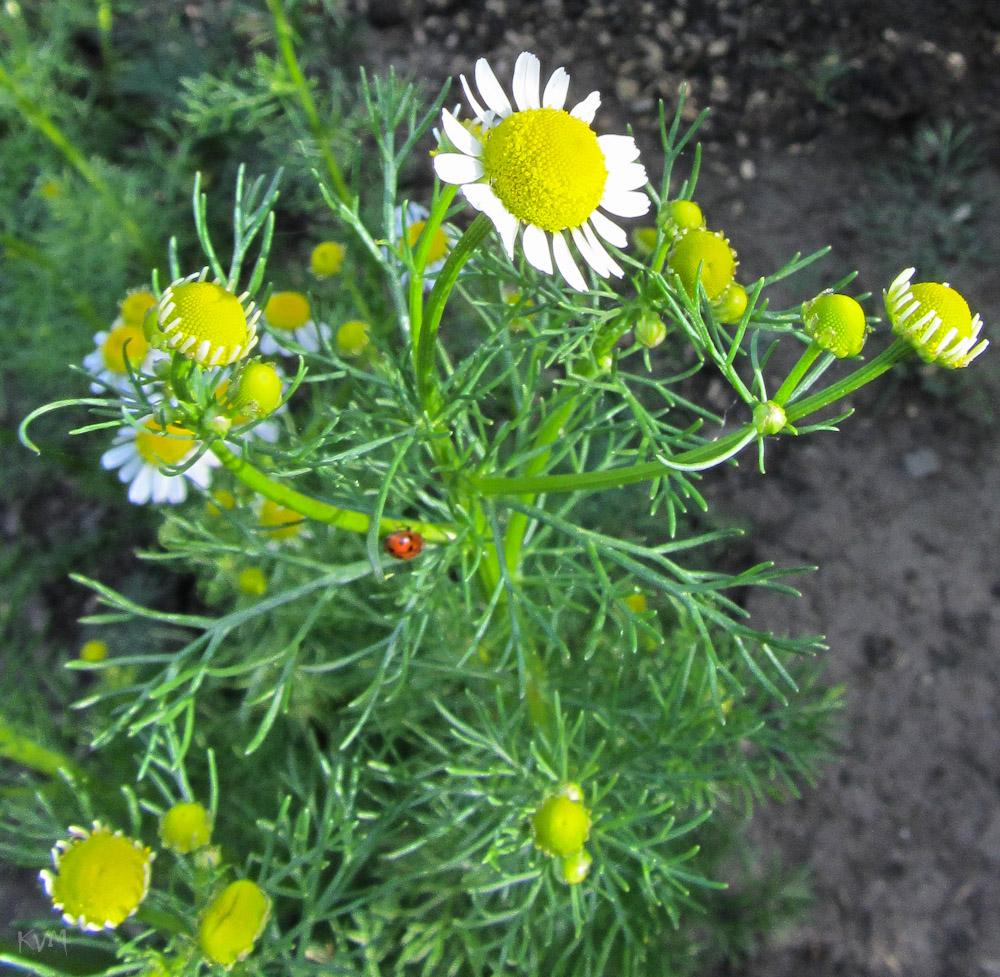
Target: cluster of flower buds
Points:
(560, 826)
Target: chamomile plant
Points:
(483, 698)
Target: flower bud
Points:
(731, 304)
(575, 867)
(650, 330)
(682, 215)
(326, 258)
(353, 338)
(252, 581)
(258, 390)
(836, 323)
(769, 417)
(233, 923)
(561, 823)
(709, 251)
(185, 827)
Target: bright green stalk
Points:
(798, 371)
(286, 45)
(352, 521)
(26, 752)
(36, 116)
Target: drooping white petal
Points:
(535, 244)
(526, 72)
(554, 96)
(200, 473)
(608, 230)
(610, 263)
(142, 485)
(482, 197)
(627, 203)
(117, 455)
(587, 109)
(463, 140)
(565, 263)
(130, 469)
(592, 257)
(458, 168)
(631, 176)
(479, 111)
(491, 90)
(161, 484)
(618, 149)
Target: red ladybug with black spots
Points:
(404, 544)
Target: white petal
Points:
(587, 109)
(609, 262)
(117, 455)
(471, 99)
(631, 176)
(142, 485)
(490, 89)
(608, 230)
(554, 96)
(618, 149)
(482, 197)
(566, 264)
(200, 474)
(457, 168)
(460, 137)
(535, 244)
(628, 203)
(130, 469)
(592, 257)
(160, 491)
(526, 71)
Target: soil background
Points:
(811, 106)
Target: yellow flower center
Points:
(439, 244)
(206, 311)
(279, 522)
(712, 253)
(159, 445)
(945, 302)
(136, 305)
(326, 258)
(113, 349)
(546, 167)
(287, 310)
(102, 878)
(185, 827)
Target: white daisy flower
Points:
(536, 164)
(411, 228)
(289, 317)
(139, 454)
(936, 319)
(107, 360)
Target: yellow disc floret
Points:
(936, 319)
(233, 923)
(127, 340)
(161, 444)
(205, 322)
(712, 253)
(287, 311)
(326, 258)
(100, 878)
(546, 167)
(186, 827)
(836, 323)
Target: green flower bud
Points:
(769, 417)
(258, 390)
(575, 867)
(185, 827)
(561, 824)
(836, 323)
(708, 250)
(650, 330)
(731, 304)
(233, 923)
(353, 338)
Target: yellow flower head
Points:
(709, 251)
(94, 650)
(935, 319)
(136, 304)
(128, 340)
(100, 877)
(287, 311)
(205, 322)
(353, 338)
(279, 522)
(561, 823)
(185, 827)
(326, 258)
(161, 445)
(836, 323)
(233, 923)
(252, 581)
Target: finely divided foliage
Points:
(483, 703)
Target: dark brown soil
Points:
(811, 103)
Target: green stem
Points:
(35, 116)
(798, 371)
(425, 334)
(885, 360)
(286, 45)
(349, 519)
(20, 749)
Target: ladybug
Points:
(404, 544)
